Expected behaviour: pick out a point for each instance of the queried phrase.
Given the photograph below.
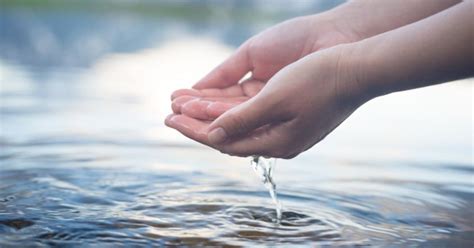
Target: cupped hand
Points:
(297, 108)
(263, 55)
(269, 51)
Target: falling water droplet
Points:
(264, 168)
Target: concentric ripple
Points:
(99, 206)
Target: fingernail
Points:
(217, 136)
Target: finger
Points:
(189, 127)
(251, 87)
(216, 109)
(207, 110)
(243, 119)
(178, 102)
(229, 72)
(232, 91)
(231, 99)
(185, 92)
(196, 109)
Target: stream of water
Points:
(264, 168)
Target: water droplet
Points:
(264, 168)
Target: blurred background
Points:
(85, 86)
(60, 57)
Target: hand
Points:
(297, 108)
(263, 55)
(273, 49)
(306, 100)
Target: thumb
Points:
(242, 120)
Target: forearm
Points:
(366, 18)
(431, 51)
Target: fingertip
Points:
(196, 108)
(175, 107)
(168, 121)
(206, 82)
(197, 86)
(185, 92)
(190, 127)
(177, 103)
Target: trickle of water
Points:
(264, 167)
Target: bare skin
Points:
(304, 101)
(268, 52)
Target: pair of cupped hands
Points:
(295, 96)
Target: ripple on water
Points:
(73, 206)
(257, 224)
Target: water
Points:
(86, 160)
(264, 169)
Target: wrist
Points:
(329, 29)
(346, 18)
(352, 74)
(367, 65)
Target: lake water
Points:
(86, 160)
